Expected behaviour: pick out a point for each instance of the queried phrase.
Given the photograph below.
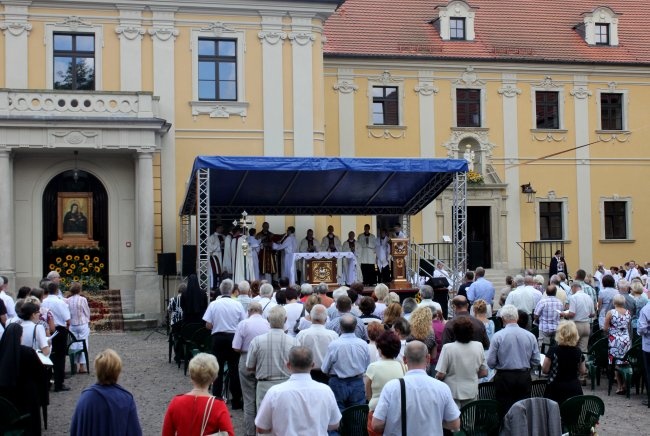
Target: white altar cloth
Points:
(352, 273)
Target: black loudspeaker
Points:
(167, 264)
(438, 282)
(189, 260)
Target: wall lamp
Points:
(529, 191)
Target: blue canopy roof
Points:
(320, 185)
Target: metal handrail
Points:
(423, 260)
(536, 253)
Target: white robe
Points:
(351, 276)
(366, 250)
(241, 269)
(383, 252)
(214, 251)
(254, 253)
(289, 246)
(227, 256)
(324, 246)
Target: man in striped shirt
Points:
(547, 314)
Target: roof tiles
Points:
(530, 30)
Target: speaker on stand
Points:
(166, 268)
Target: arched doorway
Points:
(73, 181)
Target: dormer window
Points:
(602, 34)
(600, 27)
(456, 21)
(457, 28)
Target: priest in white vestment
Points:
(383, 256)
(254, 253)
(350, 275)
(289, 246)
(308, 244)
(367, 256)
(215, 251)
(241, 267)
(332, 244)
(227, 256)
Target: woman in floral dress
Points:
(617, 326)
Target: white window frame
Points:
(483, 102)
(601, 15)
(386, 79)
(456, 9)
(628, 218)
(219, 108)
(73, 26)
(560, 99)
(565, 216)
(625, 107)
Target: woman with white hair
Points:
(617, 325)
(197, 412)
(381, 292)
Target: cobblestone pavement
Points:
(153, 382)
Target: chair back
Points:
(480, 417)
(354, 421)
(188, 330)
(595, 336)
(10, 418)
(201, 340)
(538, 388)
(598, 353)
(486, 391)
(581, 413)
(540, 416)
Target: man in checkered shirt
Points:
(547, 314)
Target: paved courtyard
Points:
(153, 382)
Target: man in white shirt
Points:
(523, 297)
(247, 330)
(366, 253)
(55, 277)
(429, 404)
(61, 314)
(299, 406)
(317, 338)
(222, 317)
(10, 305)
(266, 299)
(632, 272)
(581, 311)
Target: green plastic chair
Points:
(597, 360)
(74, 355)
(354, 421)
(12, 423)
(579, 414)
(480, 418)
(486, 391)
(184, 342)
(632, 371)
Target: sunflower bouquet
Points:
(83, 268)
(474, 178)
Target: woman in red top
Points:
(188, 413)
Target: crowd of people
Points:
(296, 358)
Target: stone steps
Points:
(105, 310)
(137, 321)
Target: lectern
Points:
(399, 248)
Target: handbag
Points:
(296, 330)
(206, 417)
(402, 388)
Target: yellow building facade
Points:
(123, 97)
